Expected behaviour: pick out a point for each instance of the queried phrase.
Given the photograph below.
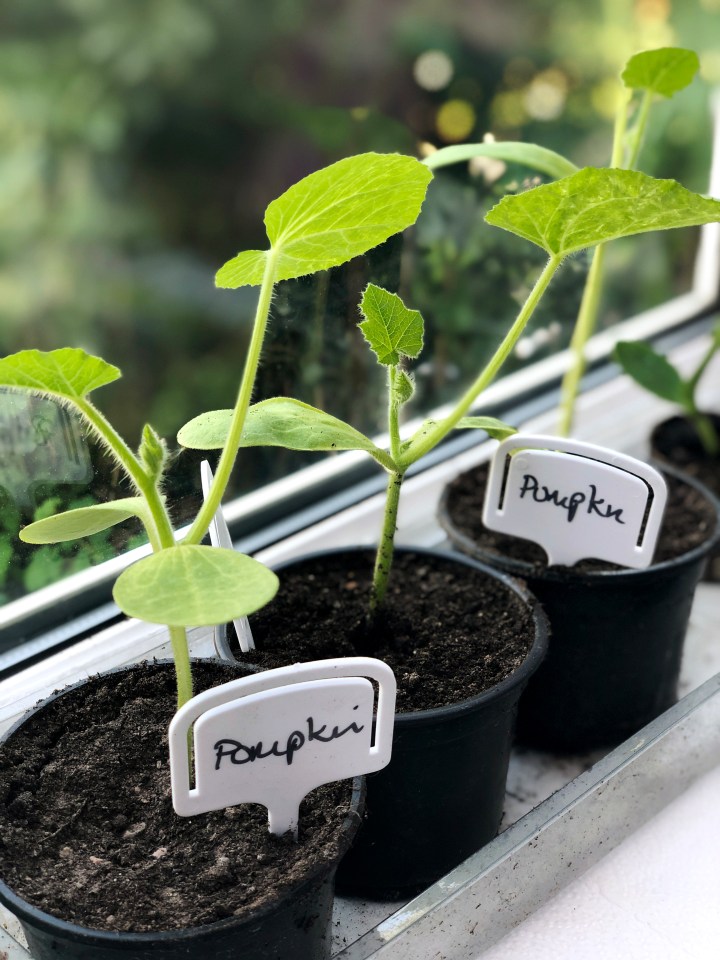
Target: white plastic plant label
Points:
(576, 500)
(273, 737)
(220, 537)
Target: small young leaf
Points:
(651, 370)
(597, 205)
(664, 71)
(279, 422)
(528, 154)
(69, 373)
(389, 327)
(403, 389)
(153, 452)
(332, 215)
(82, 522)
(194, 586)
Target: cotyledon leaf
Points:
(333, 215)
(69, 373)
(664, 71)
(193, 586)
(83, 521)
(651, 370)
(279, 422)
(494, 428)
(596, 205)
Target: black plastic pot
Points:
(441, 797)
(675, 441)
(616, 643)
(297, 925)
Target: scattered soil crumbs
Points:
(87, 829)
(688, 522)
(447, 630)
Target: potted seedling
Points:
(90, 851)
(590, 207)
(617, 634)
(689, 441)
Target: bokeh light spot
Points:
(455, 120)
(433, 70)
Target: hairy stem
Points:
(638, 132)
(232, 444)
(441, 429)
(181, 656)
(384, 556)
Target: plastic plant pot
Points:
(297, 924)
(616, 642)
(675, 442)
(441, 797)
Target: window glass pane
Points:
(143, 142)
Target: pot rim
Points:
(525, 570)
(519, 676)
(39, 918)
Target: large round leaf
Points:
(69, 373)
(194, 586)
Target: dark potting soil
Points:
(87, 828)
(676, 441)
(449, 631)
(688, 521)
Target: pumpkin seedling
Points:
(322, 221)
(647, 76)
(655, 373)
(583, 210)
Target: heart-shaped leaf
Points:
(84, 521)
(651, 370)
(279, 422)
(528, 154)
(332, 215)
(597, 205)
(194, 586)
(389, 327)
(664, 71)
(69, 373)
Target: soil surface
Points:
(688, 522)
(676, 442)
(448, 631)
(87, 829)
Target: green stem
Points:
(181, 656)
(393, 416)
(590, 304)
(162, 535)
(384, 556)
(583, 330)
(232, 444)
(440, 430)
(695, 378)
(638, 133)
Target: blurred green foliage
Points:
(142, 140)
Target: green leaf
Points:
(279, 422)
(389, 327)
(495, 428)
(403, 388)
(332, 215)
(651, 370)
(597, 205)
(528, 154)
(194, 586)
(83, 522)
(664, 71)
(69, 373)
